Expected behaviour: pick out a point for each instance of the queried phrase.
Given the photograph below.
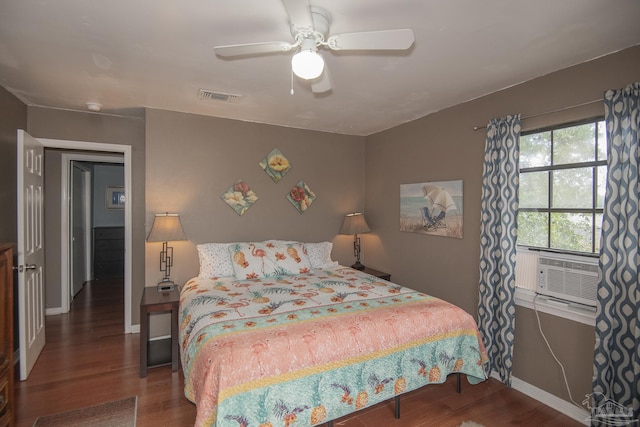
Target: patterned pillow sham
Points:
(320, 254)
(259, 260)
(214, 260)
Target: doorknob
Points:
(22, 268)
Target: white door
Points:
(30, 251)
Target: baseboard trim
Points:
(161, 337)
(551, 400)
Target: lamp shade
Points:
(354, 223)
(166, 227)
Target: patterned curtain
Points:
(617, 350)
(498, 230)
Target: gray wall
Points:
(12, 118)
(443, 146)
(192, 160)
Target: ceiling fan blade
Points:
(299, 13)
(373, 40)
(253, 48)
(323, 83)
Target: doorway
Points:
(91, 255)
(91, 151)
(33, 289)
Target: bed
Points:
(284, 336)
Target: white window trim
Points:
(566, 310)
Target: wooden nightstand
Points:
(379, 274)
(153, 354)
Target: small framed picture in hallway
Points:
(114, 198)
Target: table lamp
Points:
(166, 228)
(354, 223)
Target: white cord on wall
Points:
(564, 375)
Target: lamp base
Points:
(358, 266)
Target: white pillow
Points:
(214, 260)
(320, 254)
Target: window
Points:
(562, 185)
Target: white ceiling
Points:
(128, 54)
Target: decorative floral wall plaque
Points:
(240, 197)
(276, 165)
(301, 196)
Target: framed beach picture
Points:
(114, 198)
(433, 208)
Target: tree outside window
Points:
(562, 186)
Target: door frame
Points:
(66, 257)
(87, 184)
(127, 151)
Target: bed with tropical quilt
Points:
(277, 334)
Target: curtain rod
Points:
(559, 110)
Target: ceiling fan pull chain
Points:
(292, 82)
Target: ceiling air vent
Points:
(209, 95)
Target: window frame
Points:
(530, 299)
(594, 211)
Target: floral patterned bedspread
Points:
(303, 350)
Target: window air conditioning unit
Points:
(568, 277)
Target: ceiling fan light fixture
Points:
(307, 63)
(309, 26)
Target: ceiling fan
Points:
(310, 28)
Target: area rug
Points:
(119, 413)
(470, 424)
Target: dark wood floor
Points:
(89, 360)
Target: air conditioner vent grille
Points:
(210, 95)
(569, 279)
